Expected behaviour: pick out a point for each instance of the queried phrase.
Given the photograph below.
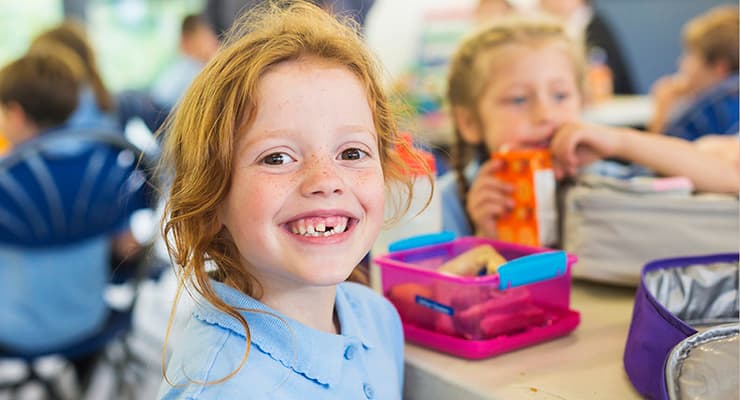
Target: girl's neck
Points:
(313, 306)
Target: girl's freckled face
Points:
(310, 155)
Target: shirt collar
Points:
(314, 354)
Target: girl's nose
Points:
(544, 112)
(322, 177)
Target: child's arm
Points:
(578, 144)
(724, 147)
(488, 198)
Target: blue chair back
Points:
(68, 186)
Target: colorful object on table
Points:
(421, 240)
(532, 221)
(404, 297)
(525, 302)
(480, 260)
(682, 305)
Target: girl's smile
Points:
(322, 224)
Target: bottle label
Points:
(547, 212)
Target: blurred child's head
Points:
(274, 81)
(486, 10)
(513, 84)
(562, 8)
(197, 38)
(72, 35)
(38, 91)
(710, 47)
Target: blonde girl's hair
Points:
(469, 73)
(71, 34)
(220, 105)
(714, 35)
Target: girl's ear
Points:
(467, 125)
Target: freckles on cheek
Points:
(372, 185)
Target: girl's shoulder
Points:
(209, 352)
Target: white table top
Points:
(587, 364)
(634, 111)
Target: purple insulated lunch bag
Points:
(680, 305)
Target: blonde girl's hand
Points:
(578, 144)
(488, 198)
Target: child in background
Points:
(280, 152)
(96, 108)
(513, 84)
(38, 92)
(702, 97)
(198, 43)
(517, 84)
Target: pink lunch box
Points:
(526, 302)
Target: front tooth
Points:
(321, 227)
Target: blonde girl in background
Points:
(97, 105)
(279, 156)
(518, 84)
(512, 84)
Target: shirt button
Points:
(369, 392)
(349, 352)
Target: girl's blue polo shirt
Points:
(290, 361)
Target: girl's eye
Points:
(277, 159)
(517, 100)
(562, 96)
(353, 154)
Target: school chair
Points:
(62, 196)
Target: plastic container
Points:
(533, 221)
(418, 220)
(526, 302)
